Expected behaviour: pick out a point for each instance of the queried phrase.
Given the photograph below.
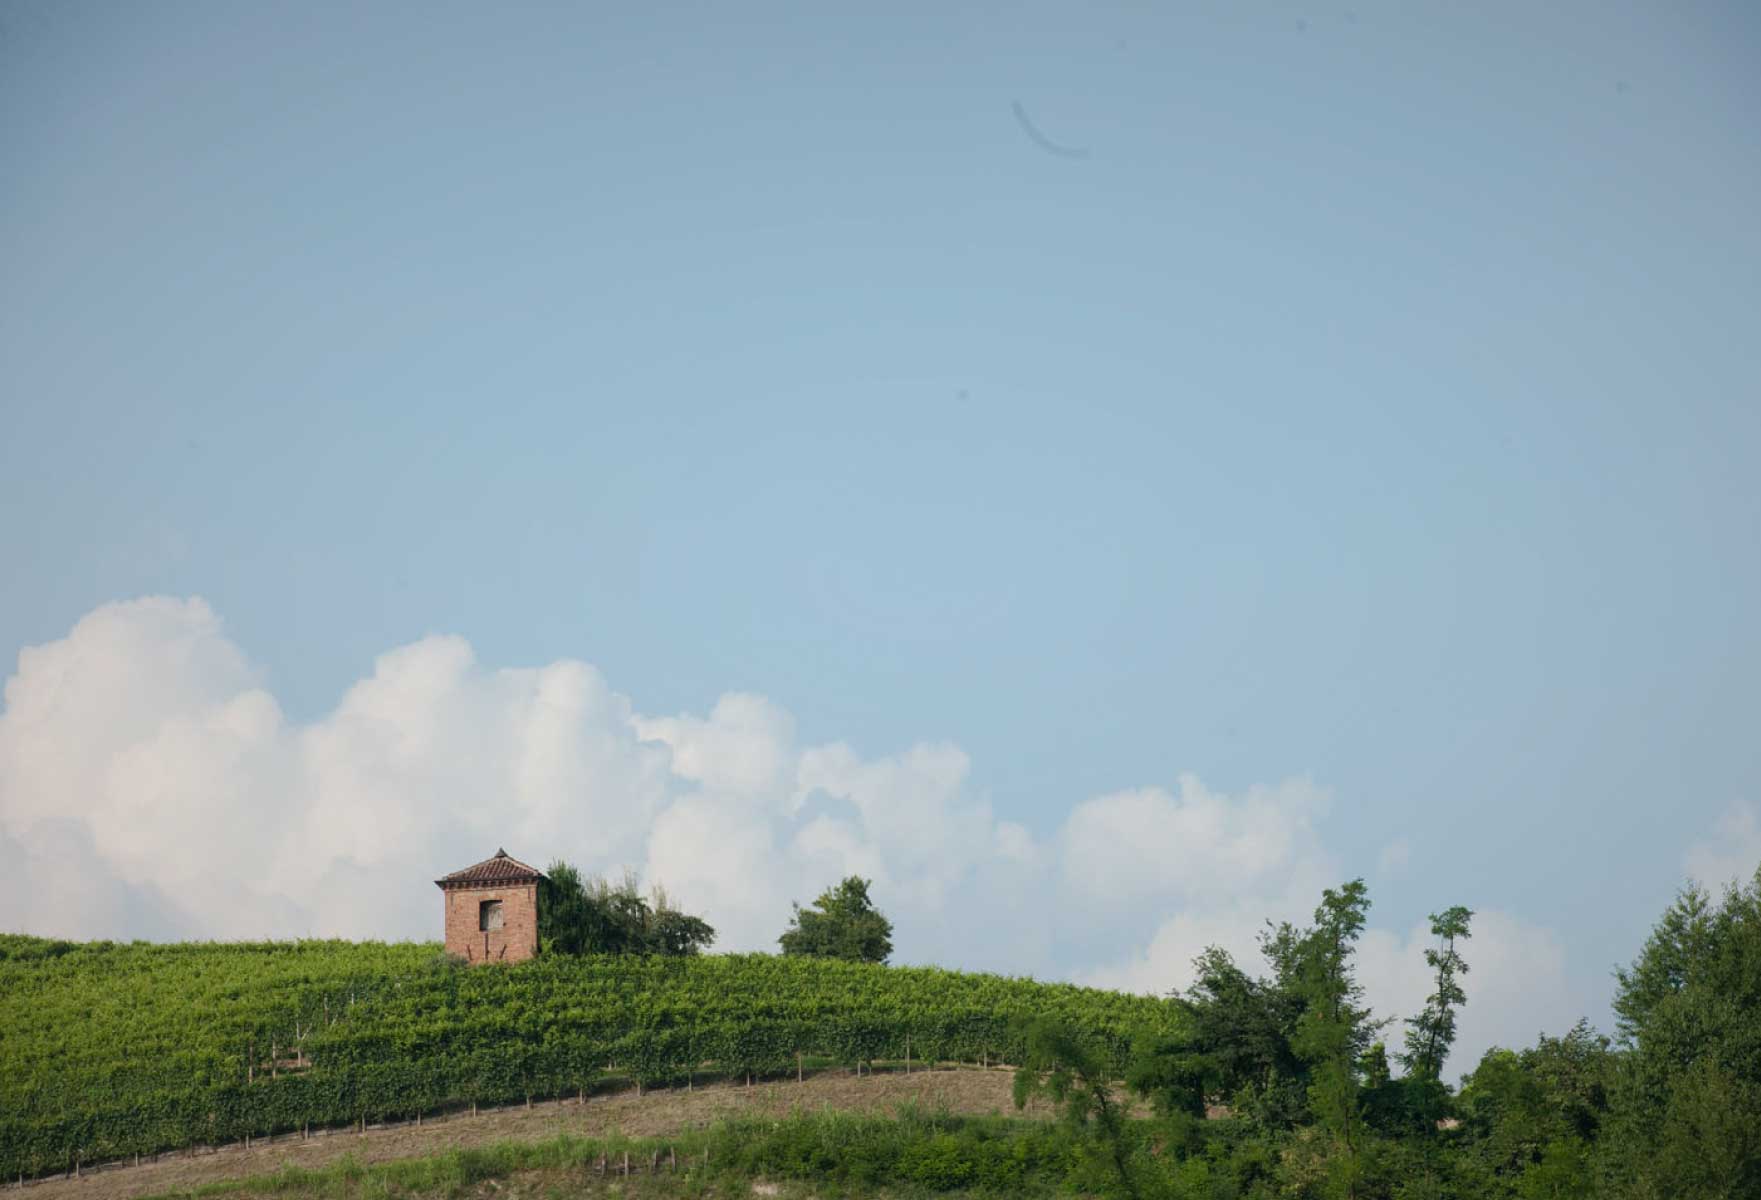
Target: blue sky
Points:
(1374, 402)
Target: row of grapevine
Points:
(111, 1051)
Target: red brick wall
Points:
(515, 941)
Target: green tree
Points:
(1530, 1117)
(1563, 1172)
(843, 923)
(1384, 1101)
(1166, 1069)
(1241, 1031)
(1686, 1116)
(1335, 1028)
(1430, 1034)
(1678, 945)
(672, 932)
(579, 915)
(1064, 1069)
(567, 923)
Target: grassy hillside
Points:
(111, 1050)
(829, 1153)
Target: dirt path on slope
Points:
(655, 1114)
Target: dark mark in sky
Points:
(1041, 140)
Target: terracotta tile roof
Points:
(500, 869)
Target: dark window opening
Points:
(489, 915)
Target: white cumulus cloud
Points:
(1733, 853)
(1394, 857)
(1516, 984)
(151, 786)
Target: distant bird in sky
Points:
(1041, 140)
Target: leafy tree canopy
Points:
(1430, 1034)
(1687, 1097)
(581, 915)
(843, 923)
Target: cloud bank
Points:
(1731, 854)
(150, 786)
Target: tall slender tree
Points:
(1430, 1034)
(1335, 1028)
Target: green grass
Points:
(832, 1154)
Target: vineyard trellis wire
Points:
(113, 1050)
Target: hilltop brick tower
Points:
(492, 910)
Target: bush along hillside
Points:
(1669, 1108)
(115, 1050)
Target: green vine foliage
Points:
(112, 1050)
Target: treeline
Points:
(1299, 1070)
(1252, 1084)
(116, 1050)
(582, 914)
(579, 914)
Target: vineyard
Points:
(117, 1050)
